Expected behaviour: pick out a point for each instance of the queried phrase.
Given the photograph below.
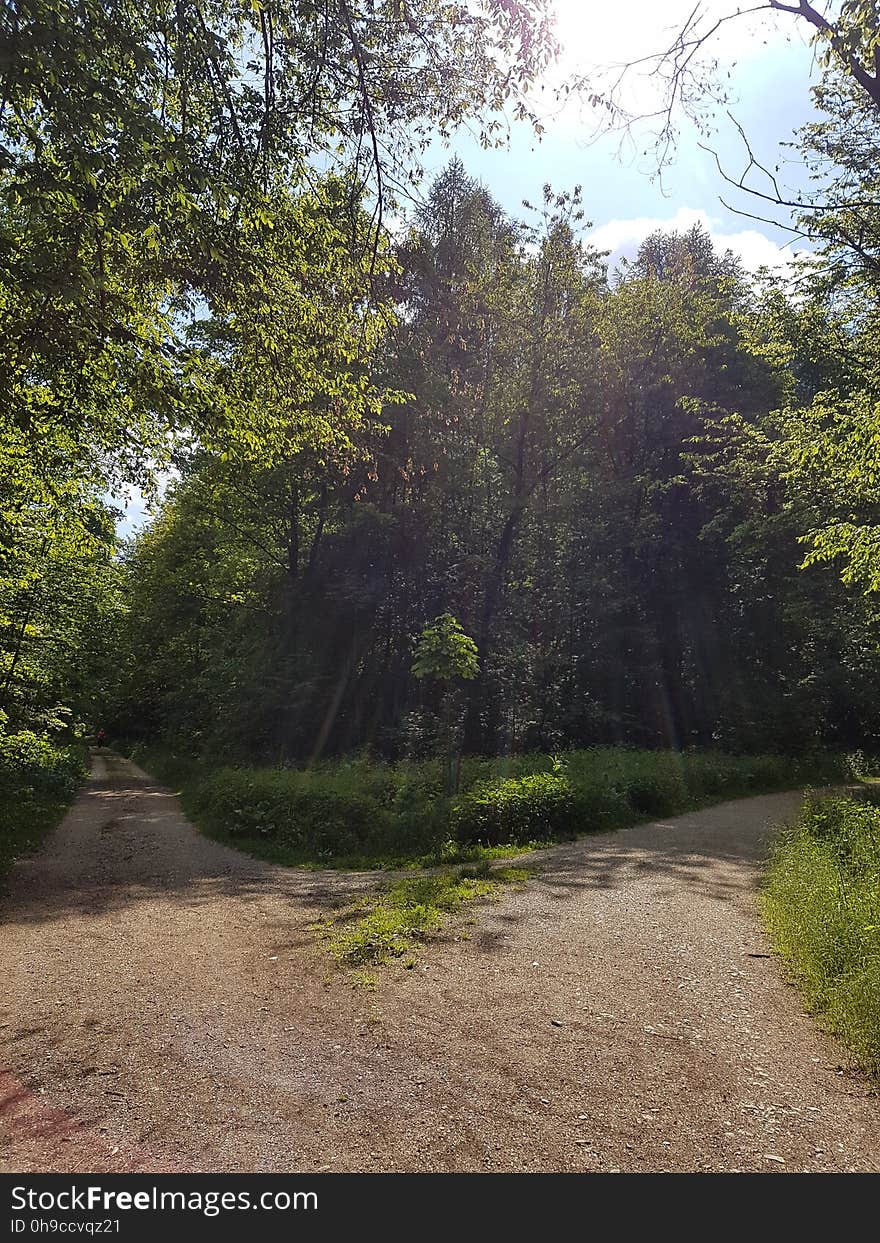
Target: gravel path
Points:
(170, 1009)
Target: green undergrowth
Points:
(364, 814)
(821, 903)
(385, 926)
(38, 778)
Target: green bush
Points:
(294, 809)
(519, 809)
(364, 812)
(822, 907)
(33, 763)
(37, 780)
(659, 793)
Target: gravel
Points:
(170, 1007)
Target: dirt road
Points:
(165, 1006)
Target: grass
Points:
(821, 904)
(367, 814)
(24, 824)
(364, 814)
(380, 928)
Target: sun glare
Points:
(593, 33)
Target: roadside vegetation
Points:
(365, 813)
(385, 926)
(37, 782)
(822, 907)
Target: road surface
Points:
(169, 1007)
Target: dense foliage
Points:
(607, 501)
(37, 780)
(363, 812)
(601, 481)
(191, 247)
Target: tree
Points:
(828, 445)
(831, 438)
(445, 656)
(646, 589)
(175, 273)
(59, 607)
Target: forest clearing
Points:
(439, 571)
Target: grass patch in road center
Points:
(384, 925)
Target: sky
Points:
(772, 68)
(771, 65)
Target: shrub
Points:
(37, 779)
(297, 810)
(659, 793)
(518, 809)
(364, 812)
(34, 764)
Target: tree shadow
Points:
(718, 853)
(126, 843)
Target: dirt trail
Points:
(165, 1006)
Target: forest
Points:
(611, 483)
(647, 495)
(479, 730)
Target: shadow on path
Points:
(126, 841)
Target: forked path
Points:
(166, 1005)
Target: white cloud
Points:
(623, 238)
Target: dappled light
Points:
(439, 571)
